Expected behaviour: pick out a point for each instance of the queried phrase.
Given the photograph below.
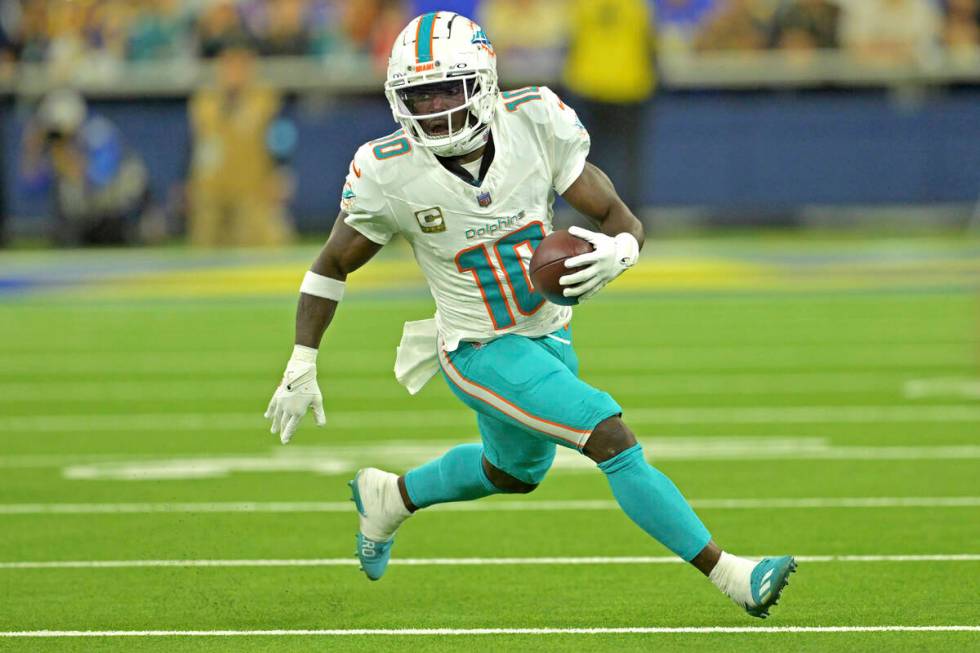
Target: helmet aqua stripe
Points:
(423, 39)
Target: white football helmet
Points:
(444, 48)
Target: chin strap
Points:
(464, 146)
(453, 165)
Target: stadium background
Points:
(800, 343)
(746, 122)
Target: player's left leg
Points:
(655, 504)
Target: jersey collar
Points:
(452, 164)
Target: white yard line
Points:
(673, 355)
(804, 414)
(411, 452)
(347, 456)
(431, 632)
(343, 459)
(770, 384)
(454, 562)
(87, 423)
(334, 462)
(954, 387)
(481, 506)
(636, 384)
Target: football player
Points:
(469, 180)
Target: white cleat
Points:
(381, 511)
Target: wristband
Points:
(321, 286)
(303, 354)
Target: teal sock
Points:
(457, 476)
(653, 501)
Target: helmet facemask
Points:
(448, 115)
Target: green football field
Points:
(819, 399)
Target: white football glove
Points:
(297, 391)
(612, 256)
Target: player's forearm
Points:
(594, 195)
(313, 316)
(619, 219)
(323, 286)
(613, 216)
(314, 313)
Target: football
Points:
(548, 264)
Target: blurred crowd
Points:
(876, 31)
(63, 33)
(239, 179)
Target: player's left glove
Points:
(297, 391)
(612, 256)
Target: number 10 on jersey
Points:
(509, 252)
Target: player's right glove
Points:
(297, 391)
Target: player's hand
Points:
(297, 391)
(610, 258)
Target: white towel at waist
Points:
(417, 358)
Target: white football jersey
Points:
(474, 243)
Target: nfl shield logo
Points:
(484, 199)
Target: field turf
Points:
(819, 399)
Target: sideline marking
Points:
(493, 631)
(456, 562)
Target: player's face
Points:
(437, 98)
